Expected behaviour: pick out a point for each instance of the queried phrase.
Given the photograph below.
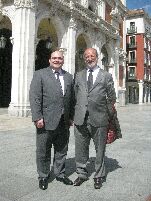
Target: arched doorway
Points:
(5, 62)
(48, 41)
(105, 59)
(81, 45)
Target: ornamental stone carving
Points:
(25, 3)
(72, 23)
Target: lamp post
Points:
(48, 43)
(81, 53)
(2, 42)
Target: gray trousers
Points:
(59, 138)
(83, 135)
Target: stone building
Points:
(30, 29)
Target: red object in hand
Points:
(111, 135)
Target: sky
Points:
(135, 4)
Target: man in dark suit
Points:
(51, 101)
(94, 92)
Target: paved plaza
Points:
(128, 162)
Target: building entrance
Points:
(5, 67)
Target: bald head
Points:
(93, 50)
(91, 57)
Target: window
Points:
(132, 57)
(132, 40)
(131, 73)
(132, 25)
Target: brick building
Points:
(138, 39)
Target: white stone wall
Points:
(25, 20)
(139, 23)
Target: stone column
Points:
(140, 83)
(101, 8)
(116, 71)
(71, 47)
(149, 94)
(23, 56)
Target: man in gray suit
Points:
(94, 92)
(51, 101)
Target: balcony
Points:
(132, 30)
(131, 45)
(132, 61)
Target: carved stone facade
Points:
(73, 26)
(25, 3)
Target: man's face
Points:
(57, 60)
(90, 57)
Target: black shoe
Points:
(79, 181)
(43, 183)
(65, 180)
(103, 179)
(97, 183)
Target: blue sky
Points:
(135, 4)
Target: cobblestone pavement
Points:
(128, 162)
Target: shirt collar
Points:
(60, 71)
(94, 68)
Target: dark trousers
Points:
(83, 135)
(59, 138)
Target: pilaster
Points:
(71, 41)
(71, 48)
(141, 86)
(23, 57)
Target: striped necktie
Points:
(90, 79)
(57, 78)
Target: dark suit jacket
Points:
(96, 100)
(46, 99)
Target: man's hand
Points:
(39, 123)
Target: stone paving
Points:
(128, 162)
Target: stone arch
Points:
(82, 42)
(92, 5)
(8, 12)
(56, 21)
(52, 29)
(106, 56)
(5, 60)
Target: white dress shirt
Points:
(94, 73)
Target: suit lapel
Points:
(66, 80)
(84, 78)
(50, 73)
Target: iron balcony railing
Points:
(132, 61)
(132, 45)
(132, 30)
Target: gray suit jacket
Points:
(46, 99)
(101, 95)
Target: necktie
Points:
(57, 74)
(57, 78)
(90, 80)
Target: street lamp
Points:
(48, 43)
(81, 53)
(2, 42)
